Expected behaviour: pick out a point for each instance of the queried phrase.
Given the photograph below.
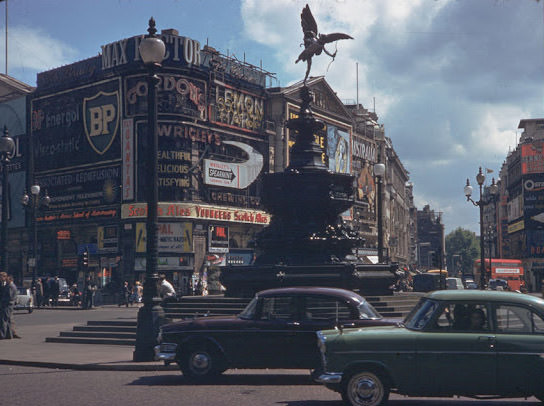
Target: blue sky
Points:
(451, 79)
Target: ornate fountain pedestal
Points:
(307, 243)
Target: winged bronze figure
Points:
(314, 43)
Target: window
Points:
(463, 317)
(326, 308)
(279, 308)
(518, 320)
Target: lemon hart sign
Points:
(77, 127)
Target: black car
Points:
(277, 329)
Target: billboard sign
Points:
(237, 109)
(232, 174)
(78, 127)
(176, 95)
(532, 158)
(218, 239)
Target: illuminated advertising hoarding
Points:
(78, 127)
(176, 95)
(82, 188)
(532, 158)
(237, 109)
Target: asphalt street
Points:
(33, 371)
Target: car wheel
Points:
(365, 388)
(201, 363)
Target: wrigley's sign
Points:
(197, 211)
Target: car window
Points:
(326, 308)
(421, 314)
(279, 308)
(249, 312)
(513, 319)
(463, 317)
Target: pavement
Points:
(32, 350)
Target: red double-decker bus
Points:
(510, 270)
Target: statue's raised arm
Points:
(314, 42)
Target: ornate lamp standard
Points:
(7, 148)
(34, 202)
(493, 190)
(379, 172)
(152, 50)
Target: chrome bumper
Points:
(329, 377)
(165, 352)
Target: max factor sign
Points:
(178, 50)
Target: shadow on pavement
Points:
(227, 380)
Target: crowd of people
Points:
(47, 291)
(8, 295)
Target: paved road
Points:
(25, 386)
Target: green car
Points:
(465, 342)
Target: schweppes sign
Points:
(101, 119)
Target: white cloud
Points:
(33, 49)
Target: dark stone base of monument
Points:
(245, 281)
(307, 243)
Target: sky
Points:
(449, 79)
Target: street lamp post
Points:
(7, 148)
(152, 51)
(379, 172)
(34, 202)
(493, 190)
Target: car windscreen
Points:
(367, 311)
(249, 312)
(421, 314)
(21, 291)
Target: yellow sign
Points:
(100, 238)
(140, 237)
(512, 228)
(172, 237)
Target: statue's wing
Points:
(307, 20)
(311, 50)
(335, 36)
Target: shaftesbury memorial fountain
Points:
(307, 243)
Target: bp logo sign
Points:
(101, 119)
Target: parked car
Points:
(498, 284)
(276, 330)
(24, 299)
(490, 343)
(454, 283)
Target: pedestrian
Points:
(90, 289)
(138, 291)
(75, 295)
(8, 296)
(166, 290)
(55, 291)
(39, 293)
(125, 294)
(46, 284)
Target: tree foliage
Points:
(464, 243)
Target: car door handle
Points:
(489, 339)
(293, 323)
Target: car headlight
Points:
(322, 349)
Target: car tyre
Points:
(365, 388)
(201, 363)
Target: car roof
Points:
(487, 295)
(313, 290)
